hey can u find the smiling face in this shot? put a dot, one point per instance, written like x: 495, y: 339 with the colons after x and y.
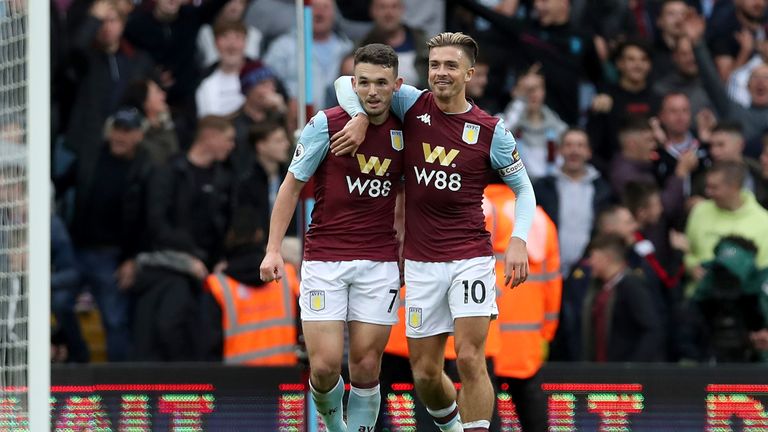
x: 575, y: 151
x: 450, y: 70
x: 231, y: 47
x: 634, y: 64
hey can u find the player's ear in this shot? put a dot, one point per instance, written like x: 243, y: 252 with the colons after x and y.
x: 398, y: 83
x: 354, y: 84
x: 470, y: 72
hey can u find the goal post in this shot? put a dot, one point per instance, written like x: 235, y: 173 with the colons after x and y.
x: 25, y: 214
x: 39, y: 199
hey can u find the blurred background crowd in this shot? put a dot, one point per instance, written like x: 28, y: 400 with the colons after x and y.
x: 639, y: 120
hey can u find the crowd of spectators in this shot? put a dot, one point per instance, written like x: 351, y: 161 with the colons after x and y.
x: 643, y: 124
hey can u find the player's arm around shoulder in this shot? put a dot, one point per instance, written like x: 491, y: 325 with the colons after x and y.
x: 351, y: 136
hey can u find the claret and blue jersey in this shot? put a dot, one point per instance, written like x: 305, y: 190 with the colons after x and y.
x: 449, y: 159
x: 353, y: 216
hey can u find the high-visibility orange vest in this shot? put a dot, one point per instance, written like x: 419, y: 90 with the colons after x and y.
x: 528, y: 314
x: 259, y: 324
x: 398, y: 344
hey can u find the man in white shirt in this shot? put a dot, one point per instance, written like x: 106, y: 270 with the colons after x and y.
x: 219, y: 93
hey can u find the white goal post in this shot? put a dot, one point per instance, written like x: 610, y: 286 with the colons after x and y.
x: 25, y: 212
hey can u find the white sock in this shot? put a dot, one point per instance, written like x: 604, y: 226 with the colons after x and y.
x: 447, y: 419
x: 363, y: 408
x: 330, y: 406
x: 478, y: 424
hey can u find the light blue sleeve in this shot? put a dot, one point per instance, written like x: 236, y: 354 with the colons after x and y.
x: 507, y: 163
x: 311, y: 149
x: 402, y: 100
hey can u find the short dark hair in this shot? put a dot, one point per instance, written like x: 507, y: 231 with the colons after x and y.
x: 733, y: 172
x: 247, y: 228
x: 377, y: 54
x: 671, y: 94
x: 605, y: 213
x: 637, y: 43
x: 612, y: 243
x: 225, y: 26
x: 633, y: 124
x: 260, y: 131
x: 732, y: 127
x: 212, y: 122
x: 465, y: 42
x: 637, y: 194
x: 575, y: 129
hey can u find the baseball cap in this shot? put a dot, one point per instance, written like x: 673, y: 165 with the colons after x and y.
x: 127, y: 118
x: 253, y: 73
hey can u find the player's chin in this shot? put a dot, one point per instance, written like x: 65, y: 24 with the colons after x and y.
x: 376, y: 111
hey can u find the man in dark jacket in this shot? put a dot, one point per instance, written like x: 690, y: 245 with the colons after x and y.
x: 189, y: 210
x: 259, y: 188
x: 620, y: 322
x: 168, y: 32
x: 103, y: 64
x: 578, y: 187
x: 108, y: 226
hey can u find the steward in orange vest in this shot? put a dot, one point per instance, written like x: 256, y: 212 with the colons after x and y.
x: 528, y: 314
x: 247, y: 321
x: 258, y: 322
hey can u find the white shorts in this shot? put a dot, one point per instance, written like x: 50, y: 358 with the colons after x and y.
x: 359, y: 290
x: 439, y: 292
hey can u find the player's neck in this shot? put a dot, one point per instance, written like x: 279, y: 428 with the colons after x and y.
x: 379, y: 119
x: 454, y: 105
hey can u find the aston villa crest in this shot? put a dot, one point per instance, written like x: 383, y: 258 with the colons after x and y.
x: 396, y: 136
x: 414, y: 317
x: 471, y: 133
x: 317, y: 300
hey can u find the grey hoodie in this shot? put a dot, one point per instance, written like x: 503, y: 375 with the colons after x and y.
x: 532, y: 139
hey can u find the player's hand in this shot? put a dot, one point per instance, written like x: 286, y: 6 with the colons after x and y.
x: 272, y: 267
x: 515, y: 263
x: 348, y: 139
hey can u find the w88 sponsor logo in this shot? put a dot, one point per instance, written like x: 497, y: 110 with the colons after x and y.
x: 439, y: 179
x: 373, y: 188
